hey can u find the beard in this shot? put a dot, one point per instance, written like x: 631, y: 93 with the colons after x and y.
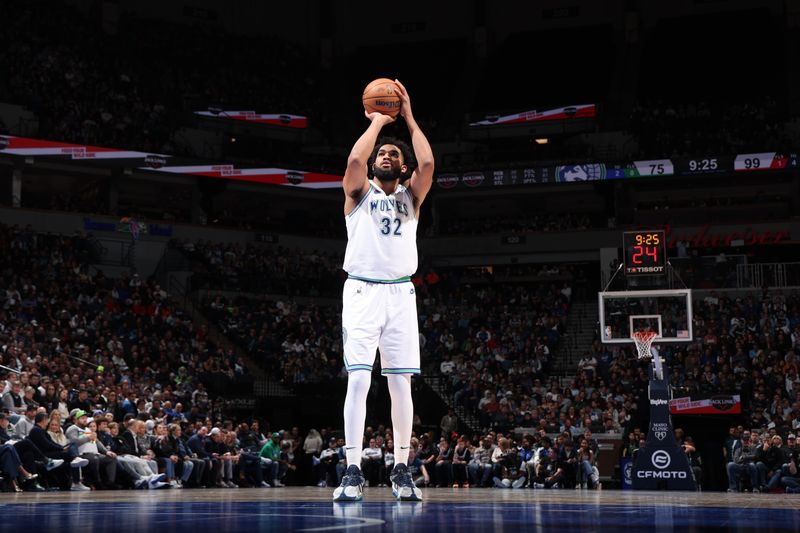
x: 391, y: 174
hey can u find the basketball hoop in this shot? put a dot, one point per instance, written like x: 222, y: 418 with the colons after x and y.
x: 643, y: 340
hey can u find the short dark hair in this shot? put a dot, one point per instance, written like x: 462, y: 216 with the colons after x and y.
x: 409, y: 160
x: 39, y: 417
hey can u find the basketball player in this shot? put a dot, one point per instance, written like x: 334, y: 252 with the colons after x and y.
x: 379, y: 308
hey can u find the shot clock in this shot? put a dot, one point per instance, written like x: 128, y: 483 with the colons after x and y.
x: 644, y: 252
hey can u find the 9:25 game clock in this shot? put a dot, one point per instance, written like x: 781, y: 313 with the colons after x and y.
x: 644, y: 252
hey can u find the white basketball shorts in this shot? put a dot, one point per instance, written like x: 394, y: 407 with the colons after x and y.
x: 380, y: 316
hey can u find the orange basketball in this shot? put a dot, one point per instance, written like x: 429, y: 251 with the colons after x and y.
x: 381, y: 95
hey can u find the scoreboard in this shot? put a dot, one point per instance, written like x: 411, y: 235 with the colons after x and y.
x: 703, y: 165
x: 644, y: 252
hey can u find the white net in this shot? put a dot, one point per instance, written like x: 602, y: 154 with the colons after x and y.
x: 643, y: 340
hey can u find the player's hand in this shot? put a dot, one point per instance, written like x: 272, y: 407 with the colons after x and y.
x: 405, y: 100
x: 379, y: 117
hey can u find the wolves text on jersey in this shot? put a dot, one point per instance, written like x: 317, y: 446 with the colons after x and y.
x: 388, y: 204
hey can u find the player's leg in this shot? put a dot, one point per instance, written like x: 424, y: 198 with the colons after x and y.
x: 360, y: 332
x: 399, y: 347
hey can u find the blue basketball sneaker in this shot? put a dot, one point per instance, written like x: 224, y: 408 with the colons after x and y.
x: 403, y: 487
x: 351, y: 489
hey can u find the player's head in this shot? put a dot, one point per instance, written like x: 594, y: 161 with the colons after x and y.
x: 391, y: 159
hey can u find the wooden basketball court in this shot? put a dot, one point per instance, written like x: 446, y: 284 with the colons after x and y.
x: 311, y: 509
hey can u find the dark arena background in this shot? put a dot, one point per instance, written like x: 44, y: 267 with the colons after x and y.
x: 172, y: 240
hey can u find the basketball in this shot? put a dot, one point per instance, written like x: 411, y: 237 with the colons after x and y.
x: 380, y: 96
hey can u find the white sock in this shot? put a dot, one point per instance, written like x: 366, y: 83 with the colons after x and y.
x: 355, y: 411
x: 402, y: 414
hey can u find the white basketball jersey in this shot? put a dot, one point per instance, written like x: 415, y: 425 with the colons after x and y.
x: 382, y: 236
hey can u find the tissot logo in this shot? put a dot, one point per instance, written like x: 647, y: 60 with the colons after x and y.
x: 660, y: 459
x: 658, y: 402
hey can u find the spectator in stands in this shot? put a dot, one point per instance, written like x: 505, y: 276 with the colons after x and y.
x: 506, y: 466
x: 216, y: 448
x: 695, y: 460
x: 68, y: 453
x: 770, y: 459
x: 12, y: 468
x: 442, y: 463
x: 12, y: 400
x: 249, y: 439
x: 743, y: 462
x: 461, y: 458
x: 449, y: 422
x: 545, y: 465
x: 271, y: 458
x: 330, y: 460
x: 419, y: 474
x: 586, y: 462
x: 372, y: 463
x: 101, y: 460
x: 247, y: 462
x: 790, y: 475
x: 32, y: 457
x: 26, y: 422
x: 129, y: 456
x: 480, y: 468
x: 197, y: 445
x: 165, y: 448
x: 187, y: 463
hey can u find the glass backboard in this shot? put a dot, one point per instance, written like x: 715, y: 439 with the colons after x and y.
x: 667, y: 312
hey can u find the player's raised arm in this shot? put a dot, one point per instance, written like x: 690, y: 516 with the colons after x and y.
x: 355, y: 176
x: 420, y: 182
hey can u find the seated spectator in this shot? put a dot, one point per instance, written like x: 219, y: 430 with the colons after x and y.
x: 743, y: 462
x: 130, y: 456
x: 546, y: 465
x: 71, y: 469
x: 589, y: 476
x: 480, y: 467
x: 372, y: 463
x: 189, y: 467
x: 12, y: 401
x: 166, y: 451
x: 197, y: 446
x: 216, y: 446
x: 695, y: 461
x: 506, y: 466
x: 462, y: 456
x: 247, y: 462
x: 770, y: 460
x: 271, y: 459
x: 83, y: 434
x: 417, y: 469
x: 26, y: 421
x: 331, y: 461
x: 31, y: 457
x: 443, y: 463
